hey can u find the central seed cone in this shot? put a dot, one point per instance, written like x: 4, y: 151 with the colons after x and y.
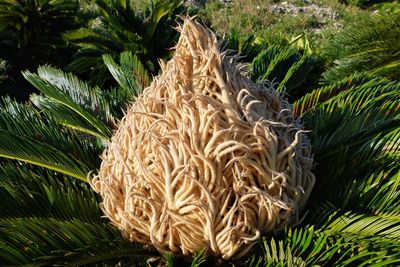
x: 205, y: 158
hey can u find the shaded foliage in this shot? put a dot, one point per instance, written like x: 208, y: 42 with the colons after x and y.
x: 118, y: 27
x: 31, y: 35
x: 284, y: 65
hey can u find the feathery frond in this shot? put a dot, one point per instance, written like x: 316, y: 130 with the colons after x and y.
x: 26, y: 137
x: 66, y: 94
x: 284, y: 65
x: 118, y: 27
x: 47, y: 241
x: 130, y: 73
x: 40, y: 193
x: 30, y: 151
x: 322, y: 94
x: 372, y: 46
x: 349, y: 132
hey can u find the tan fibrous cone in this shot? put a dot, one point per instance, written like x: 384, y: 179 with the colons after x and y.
x: 205, y: 158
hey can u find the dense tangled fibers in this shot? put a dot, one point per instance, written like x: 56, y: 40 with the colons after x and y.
x: 205, y: 158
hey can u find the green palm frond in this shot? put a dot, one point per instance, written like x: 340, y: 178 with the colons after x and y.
x: 156, y: 12
x: 118, y: 27
x: 39, y: 193
x: 284, y: 65
x: 372, y: 46
x: 28, y: 150
x: 198, y: 259
x: 169, y: 259
x: 370, y: 182
x: 385, y: 197
x: 48, y: 241
x: 335, y: 242
x: 356, y: 140
x: 349, y: 132
x: 279, y: 256
x: 68, y: 117
x: 66, y: 94
x: 130, y: 74
x: 25, y: 121
x: 305, y: 246
x: 88, y: 62
x: 30, y: 137
x: 322, y: 94
x: 358, y: 226
x: 361, y: 106
x: 374, y: 235
x: 247, y: 47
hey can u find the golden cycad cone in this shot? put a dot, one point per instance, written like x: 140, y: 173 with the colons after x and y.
x: 205, y: 158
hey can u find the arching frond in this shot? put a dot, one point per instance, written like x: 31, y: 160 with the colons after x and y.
x: 130, y: 73
x: 376, y: 235
x: 46, y: 241
x: 70, y: 95
x: 40, y: 193
x: 148, y: 34
x: 284, y: 65
x: 28, y: 137
x: 372, y: 46
x: 351, y: 132
x: 26, y: 120
x: 28, y: 150
x: 302, y: 247
x: 320, y: 95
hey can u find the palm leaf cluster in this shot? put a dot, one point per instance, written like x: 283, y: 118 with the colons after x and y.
x: 373, y: 46
x: 284, y: 65
x: 117, y: 27
x: 32, y: 29
x: 74, y: 35
x: 49, y: 145
x: 52, y: 216
x: 287, y: 64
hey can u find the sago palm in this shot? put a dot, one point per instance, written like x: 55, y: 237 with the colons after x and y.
x: 372, y: 46
x: 51, y: 216
x: 31, y: 35
x: 118, y: 27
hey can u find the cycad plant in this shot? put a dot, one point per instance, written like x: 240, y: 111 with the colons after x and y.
x: 371, y: 46
x: 289, y: 64
x: 31, y: 35
x: 118, y: 27
x: 284, y: 65
x: 52, y: 217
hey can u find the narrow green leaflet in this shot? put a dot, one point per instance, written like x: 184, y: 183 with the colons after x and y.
x: 130, y: 73
x: 43, y: 193
x: 322, y: 94
x: 50, y: 242
x: 284, y: 65
x: 25, y: 120
x: 34, y: 152
x: 61, y: 92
